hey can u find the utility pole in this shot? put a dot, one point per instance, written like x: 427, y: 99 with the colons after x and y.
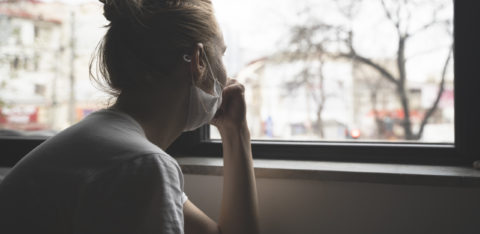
x: 72, y: 101
x: 54, y: 104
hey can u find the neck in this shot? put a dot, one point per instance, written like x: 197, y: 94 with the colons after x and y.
x: 157, y: 111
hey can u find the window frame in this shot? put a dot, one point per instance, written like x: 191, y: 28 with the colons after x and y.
x: 463, y: 152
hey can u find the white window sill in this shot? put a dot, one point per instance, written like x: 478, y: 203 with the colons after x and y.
x: 451, y: 176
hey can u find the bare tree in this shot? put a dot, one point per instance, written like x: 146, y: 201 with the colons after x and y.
x: 316, y: 91
x: 318, y: 38
x: 304, y: 49
x: 376, y: 87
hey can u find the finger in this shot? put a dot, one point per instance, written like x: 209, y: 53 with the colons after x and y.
x: 235, y: 84
x: 235, y: 89
x: 232, y: 97
x: 218, y: 114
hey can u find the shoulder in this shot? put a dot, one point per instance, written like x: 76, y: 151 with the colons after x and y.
x: 151, y: 164
x: 159, y: 162
x: 144, y: 174
x: 104, y: 136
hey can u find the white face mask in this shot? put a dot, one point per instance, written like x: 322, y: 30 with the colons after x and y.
x: 202, y: 106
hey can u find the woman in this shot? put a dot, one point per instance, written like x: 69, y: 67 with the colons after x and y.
x: 109, y: 173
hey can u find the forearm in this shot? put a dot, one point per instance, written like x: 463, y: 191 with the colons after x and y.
x: 239, y: 209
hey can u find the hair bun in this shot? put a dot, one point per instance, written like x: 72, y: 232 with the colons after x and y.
x: 115, y: 10
x: 109, y: 10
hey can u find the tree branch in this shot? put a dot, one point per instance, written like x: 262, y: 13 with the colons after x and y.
x: 427, y: 26
x: 439, y: 95
x: 366, y: 61
x: 396, y: 22
x: 432, y: 23
x: 427, y: 51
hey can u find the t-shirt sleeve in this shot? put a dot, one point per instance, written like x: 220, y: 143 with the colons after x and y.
x: 184, y: 198
x: 143, y: 195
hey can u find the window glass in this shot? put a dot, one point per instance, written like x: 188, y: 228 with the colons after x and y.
x: 314, y: 70
x: 45, y: 49
x: 343, y: 70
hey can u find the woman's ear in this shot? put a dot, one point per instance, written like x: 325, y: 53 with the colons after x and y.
x: 198, y: 64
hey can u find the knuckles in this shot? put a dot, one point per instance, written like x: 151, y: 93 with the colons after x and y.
x: 236, y: 88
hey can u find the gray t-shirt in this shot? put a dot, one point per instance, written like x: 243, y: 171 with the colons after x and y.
x: 101, y: 175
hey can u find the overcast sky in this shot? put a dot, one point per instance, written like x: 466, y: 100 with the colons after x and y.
x: 255, y: 28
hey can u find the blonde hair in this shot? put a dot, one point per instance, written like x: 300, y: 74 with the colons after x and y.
x: 147, y: 38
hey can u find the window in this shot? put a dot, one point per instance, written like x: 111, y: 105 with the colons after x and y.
x: 48, y: 45
x: 343, y: 70
x: 324, y: 78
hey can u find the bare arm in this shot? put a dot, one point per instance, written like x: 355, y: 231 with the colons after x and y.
x: 239, y: 208
x: 239, y: 211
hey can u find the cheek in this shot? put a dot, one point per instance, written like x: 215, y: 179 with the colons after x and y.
x: 222, y: 74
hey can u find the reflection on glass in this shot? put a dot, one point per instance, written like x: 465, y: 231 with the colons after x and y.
x: 315, y: 70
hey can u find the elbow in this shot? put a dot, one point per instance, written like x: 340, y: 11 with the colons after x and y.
x: 219, y: 229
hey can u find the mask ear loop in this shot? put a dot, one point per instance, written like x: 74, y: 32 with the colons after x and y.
x: 188, y: 59
x: 213, y: 77
x: 211, y: 71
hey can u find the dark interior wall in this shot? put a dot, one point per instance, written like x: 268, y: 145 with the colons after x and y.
x: 308, y: 206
